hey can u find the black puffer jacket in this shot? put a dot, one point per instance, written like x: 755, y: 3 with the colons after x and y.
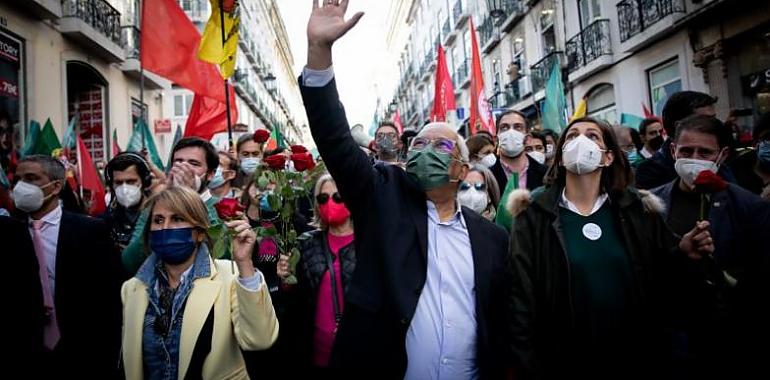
x: 314, y: 249
x: 543, y: 319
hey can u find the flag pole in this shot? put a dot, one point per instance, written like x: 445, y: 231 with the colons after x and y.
x: 227, y: 90
x: 141, y: 85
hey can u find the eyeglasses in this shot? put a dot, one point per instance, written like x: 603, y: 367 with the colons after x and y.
x: 323, y: 198
x: 441, y: 144
x: 480, y: 186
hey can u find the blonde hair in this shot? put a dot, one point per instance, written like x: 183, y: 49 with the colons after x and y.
x: 316, y: 192
x: 183, y: 202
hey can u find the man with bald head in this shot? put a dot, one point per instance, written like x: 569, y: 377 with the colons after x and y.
x: 425, y: 299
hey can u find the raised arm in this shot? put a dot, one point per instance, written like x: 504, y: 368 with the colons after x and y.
x: 349, y: 166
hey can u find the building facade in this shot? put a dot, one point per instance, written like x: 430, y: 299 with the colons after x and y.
x: 61, y: 58
x: 619, y: 55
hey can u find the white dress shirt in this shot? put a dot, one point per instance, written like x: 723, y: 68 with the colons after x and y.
x: 49, y: 233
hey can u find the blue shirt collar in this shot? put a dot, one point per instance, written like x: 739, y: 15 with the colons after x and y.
x: 457, y: 217
x: 201, y: 267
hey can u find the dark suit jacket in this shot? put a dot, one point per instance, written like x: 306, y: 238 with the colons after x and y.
x: 535, y: 174
x: 391, y: 226
x: 25, y: 314
x: 87, y: 299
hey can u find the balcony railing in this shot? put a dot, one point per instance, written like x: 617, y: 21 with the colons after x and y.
x: 588, y: 45
x: 130, y: 38
x: 461, y: 74
x: 512, y: 9
x: 97, y: 13
x: 634, y: 16
x: 542, y: 69
x: 459, y: 12
x: 487, y: 31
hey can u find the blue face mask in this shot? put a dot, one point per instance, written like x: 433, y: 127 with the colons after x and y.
x: 218, y: 180
x: 763, y: 155
x: 173, y: 246
x: 264, y: 205
x: 634, y: 157
x: 249, y: 165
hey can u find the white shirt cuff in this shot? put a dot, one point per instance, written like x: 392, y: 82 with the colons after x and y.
x: 251, y: 283
x: 317, y: 78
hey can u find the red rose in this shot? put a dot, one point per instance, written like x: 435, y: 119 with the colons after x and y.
x: 296, y: 149
x: 303, y: 161
x: 228, y: 208
x: 276, y: 162
x: 261, y: 135
x: 709, y: 182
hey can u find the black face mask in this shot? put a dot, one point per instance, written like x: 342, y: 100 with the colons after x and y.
x: 656, y: 143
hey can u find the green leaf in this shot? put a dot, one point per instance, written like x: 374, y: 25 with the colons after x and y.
x: 262, y: 182
x: 292, y: 235
x: 274, y: 201
x: 291, y: 280
x: 220, y: 248
x: 267, y: 231
x: 216, y: 231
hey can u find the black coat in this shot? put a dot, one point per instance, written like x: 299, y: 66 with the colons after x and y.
x: 87, y: 299
x: 26, y: 317
x: 391, y: 226
x: 535, y: 174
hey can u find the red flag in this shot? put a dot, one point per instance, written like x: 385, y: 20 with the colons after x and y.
x: 115, y: 146
x: 89, y: 180
x: 647, y: 113
x: 209, y: 116
x: 170, y: 49
x: 397, y: 122
x: 444, y: 96
x: 480, y: 112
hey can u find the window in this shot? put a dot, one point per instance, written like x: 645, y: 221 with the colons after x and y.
x: 664, y: 81
x: 589, y: 11
x: 497, y: 79
x: 467, y: 41
x: 601, y: 104
x: 547, y: 30
x: 182, y: 103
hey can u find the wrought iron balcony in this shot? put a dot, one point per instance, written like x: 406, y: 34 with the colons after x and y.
x: 98, y: 13
x: 459, y: 12
x: 591, y: 43
x: 634, y: 16
x: 512, y: 10
x: 542, y: 69
x: 488, y: 35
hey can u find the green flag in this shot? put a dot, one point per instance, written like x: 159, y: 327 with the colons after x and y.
x: 31, y: 139
x: 177, y: 137
x: 554, y: 105
x: 135, y: 143
x: 47, y: 141
x: 68, y: 141
x: 504, y: 218
x: 631, y: 121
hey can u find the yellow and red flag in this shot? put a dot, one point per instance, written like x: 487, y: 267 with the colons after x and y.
x: 212, y: 49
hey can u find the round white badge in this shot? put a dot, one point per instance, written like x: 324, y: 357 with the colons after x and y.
x: 592, y: 231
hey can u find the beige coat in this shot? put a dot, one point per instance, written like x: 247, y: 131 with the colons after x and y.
x: 251, y: 325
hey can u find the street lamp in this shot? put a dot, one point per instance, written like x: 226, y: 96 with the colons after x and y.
x: 496, y: 8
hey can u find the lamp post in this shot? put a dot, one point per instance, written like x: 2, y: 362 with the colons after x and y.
x: 271, y: 85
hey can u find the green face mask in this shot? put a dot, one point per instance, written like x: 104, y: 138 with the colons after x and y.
x: 428, y: 167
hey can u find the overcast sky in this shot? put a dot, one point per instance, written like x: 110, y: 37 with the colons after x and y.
x: 356, y: 55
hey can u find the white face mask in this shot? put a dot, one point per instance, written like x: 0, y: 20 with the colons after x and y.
x: 473, y: 199
x: 511, y: 143
x: 537, y: 156
x: 128, y: 195
x: 689, y: 168
x: 582, y: 156
x: 28, y: 197
x: 489, y: 160
x: 249, y: 165
x: 549, y: 151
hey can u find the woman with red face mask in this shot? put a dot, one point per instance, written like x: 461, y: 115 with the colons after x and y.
x: 323, y: 273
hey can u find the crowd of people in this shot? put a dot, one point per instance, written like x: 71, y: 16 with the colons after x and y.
x: 599, y: 250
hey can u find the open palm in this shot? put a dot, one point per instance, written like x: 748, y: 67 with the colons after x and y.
x: 327, y: 22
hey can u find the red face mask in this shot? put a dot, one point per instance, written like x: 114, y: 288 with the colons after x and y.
x: 333, y: 213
